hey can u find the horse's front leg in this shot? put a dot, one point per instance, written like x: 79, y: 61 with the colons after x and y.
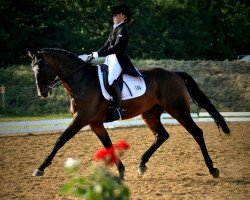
x: 71, y: 130
x: 102, y: 134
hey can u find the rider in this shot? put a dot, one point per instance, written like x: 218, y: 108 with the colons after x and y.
x: 114, y: 49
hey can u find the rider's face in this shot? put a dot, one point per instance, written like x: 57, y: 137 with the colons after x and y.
x: 118, y: 18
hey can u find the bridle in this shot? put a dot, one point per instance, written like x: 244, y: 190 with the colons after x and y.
x: 50, y: 73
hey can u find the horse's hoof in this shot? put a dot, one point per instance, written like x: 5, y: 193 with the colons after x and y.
x: 38, y: 172
x: 142, y: 169
x: 216, y: 173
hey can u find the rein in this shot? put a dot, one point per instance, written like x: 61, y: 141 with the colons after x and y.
x: 54, y: 84
x: 49, y: 73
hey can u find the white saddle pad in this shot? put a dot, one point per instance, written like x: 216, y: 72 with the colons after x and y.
x: 137, y: 86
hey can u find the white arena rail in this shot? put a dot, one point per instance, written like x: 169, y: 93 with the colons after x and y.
x: 61, y: 124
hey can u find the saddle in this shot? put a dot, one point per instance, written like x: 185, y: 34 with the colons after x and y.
x: 130, y: 86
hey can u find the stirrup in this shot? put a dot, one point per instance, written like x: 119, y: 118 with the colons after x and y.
x: 119, y: 112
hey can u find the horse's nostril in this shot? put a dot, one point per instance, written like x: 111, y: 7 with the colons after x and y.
x: 44, y: 94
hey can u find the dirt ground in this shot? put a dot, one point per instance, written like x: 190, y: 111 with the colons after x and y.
x: 176, y: 171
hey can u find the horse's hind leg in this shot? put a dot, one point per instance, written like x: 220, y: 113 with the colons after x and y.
x: 152, y: 120
x: 187, y: 121
x: 102, y: 134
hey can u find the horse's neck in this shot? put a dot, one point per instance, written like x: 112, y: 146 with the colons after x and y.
x: 61, y: 66
x: 75, y: 76
x: 78, y: 83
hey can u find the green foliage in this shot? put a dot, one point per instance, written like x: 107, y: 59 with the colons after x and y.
x: 21, y: 98
x: 179, y: 29
x: 98, y: 185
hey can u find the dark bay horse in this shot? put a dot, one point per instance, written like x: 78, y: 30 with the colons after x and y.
x: 166, y: 91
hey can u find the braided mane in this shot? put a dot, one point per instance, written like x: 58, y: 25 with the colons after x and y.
x: 63, y: 51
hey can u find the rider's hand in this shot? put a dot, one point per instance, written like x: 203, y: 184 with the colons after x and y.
x: 89, y: 58
x: 95, y: 54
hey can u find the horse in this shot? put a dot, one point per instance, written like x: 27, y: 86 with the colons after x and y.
x: 166, y: 91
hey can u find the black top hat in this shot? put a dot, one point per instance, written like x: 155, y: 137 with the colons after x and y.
x: 124, y: 9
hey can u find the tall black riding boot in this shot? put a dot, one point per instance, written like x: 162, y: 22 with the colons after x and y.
x: 119, y: 111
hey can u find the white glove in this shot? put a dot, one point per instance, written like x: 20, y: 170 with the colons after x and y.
x: 95, y: 54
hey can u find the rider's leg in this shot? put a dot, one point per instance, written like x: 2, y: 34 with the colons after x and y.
x: 114, y: 72
x: 119, y: 111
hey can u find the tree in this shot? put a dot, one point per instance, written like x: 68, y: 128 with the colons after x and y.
x: 180, y: 29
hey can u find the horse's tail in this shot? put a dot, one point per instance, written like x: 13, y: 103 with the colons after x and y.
x: 202, y: 100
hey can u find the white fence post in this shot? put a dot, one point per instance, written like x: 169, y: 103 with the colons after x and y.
x: 2, y: 91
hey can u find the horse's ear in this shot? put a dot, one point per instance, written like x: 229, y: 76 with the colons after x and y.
x: 31, y: 53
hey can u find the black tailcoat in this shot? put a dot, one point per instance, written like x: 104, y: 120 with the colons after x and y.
x: 117, y: 44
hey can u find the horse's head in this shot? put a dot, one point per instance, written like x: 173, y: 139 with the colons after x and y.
x: 43, y: 73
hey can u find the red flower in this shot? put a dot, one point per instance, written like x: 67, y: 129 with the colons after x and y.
x: 112, y: 154
x: 108, y: 155
x: 122, y: 144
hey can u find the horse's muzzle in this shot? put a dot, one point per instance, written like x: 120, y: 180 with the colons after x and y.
x: 44, y: 94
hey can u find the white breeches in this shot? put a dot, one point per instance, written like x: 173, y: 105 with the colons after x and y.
x: 113, y: 67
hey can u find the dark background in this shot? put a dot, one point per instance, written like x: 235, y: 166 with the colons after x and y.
x: 161, y: 29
